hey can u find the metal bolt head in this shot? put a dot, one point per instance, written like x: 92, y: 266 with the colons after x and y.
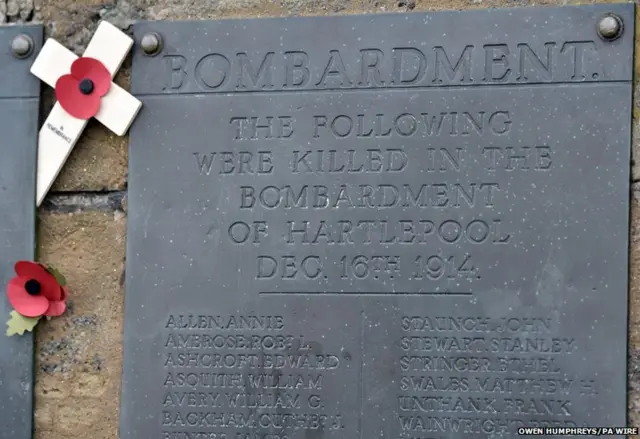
x: 610, y: 27
x: 22, y: 46
x: 151, y: 43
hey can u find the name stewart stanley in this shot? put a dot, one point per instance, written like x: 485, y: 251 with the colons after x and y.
x: 553, y: 61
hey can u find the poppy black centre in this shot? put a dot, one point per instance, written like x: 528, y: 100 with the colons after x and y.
x: 86, y: 86
x: 32, y: 287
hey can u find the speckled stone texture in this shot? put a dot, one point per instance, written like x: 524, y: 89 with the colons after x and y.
x: 82, y: 224
x: 79, y: 357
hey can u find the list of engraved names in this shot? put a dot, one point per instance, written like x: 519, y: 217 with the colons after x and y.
x: 236, y: 377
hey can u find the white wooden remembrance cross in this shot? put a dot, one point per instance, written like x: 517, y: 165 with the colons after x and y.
x: 61, y: 131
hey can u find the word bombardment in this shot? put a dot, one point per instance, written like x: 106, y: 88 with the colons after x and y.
x: 517, y: 62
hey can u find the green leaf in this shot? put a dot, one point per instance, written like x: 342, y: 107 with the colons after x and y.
x: 18, y: 323
x: 55, y: 273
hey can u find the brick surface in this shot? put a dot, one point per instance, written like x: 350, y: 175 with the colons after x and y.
x: 79, y: 355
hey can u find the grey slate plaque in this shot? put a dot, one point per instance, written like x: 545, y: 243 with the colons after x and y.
x: 388, y: 226
x: 19, y: 106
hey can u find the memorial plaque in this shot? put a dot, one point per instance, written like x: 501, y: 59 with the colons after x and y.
x: 387, y: 226
x: 19, y: 111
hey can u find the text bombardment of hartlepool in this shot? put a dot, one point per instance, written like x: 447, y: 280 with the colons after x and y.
x: 429, y: 199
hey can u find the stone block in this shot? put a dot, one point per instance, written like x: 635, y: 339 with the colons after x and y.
x: 79, y: 355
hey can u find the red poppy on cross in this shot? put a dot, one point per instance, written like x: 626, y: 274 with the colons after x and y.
x: 84, y: 89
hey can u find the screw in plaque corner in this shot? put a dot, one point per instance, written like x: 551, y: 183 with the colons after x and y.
x: 22, y: 46
x: 610, y: 27
x: 151, y: 44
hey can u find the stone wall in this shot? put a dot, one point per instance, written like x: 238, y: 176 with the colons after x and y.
x: 82, y: 224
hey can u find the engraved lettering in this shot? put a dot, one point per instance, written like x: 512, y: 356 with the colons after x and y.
x: 372, y: 67
x: 522, y: 158
x: 370, y: 60
x: 296, y: 69
x: 258, y: 80
x: 212, y: 71
x: 401, y: 57
x: 496, y: 55
x: 234, y: 162
x: 577, y: 51
x: 175, y: 67
x: 537, y: 66
x: 335, y: 72
x: 463, y: 65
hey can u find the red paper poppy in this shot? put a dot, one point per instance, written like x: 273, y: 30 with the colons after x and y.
x: 80, y: 92
x: 35, y: 292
